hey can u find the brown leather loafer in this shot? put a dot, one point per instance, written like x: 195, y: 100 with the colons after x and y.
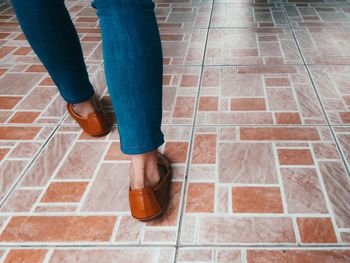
x: 150, y: 202
x: 96, y: 123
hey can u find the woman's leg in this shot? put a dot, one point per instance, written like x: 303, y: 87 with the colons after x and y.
x: 133, y: 63
x: 53, y: 37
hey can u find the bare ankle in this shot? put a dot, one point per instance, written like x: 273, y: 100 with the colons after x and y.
x: 144, y: 170
x: 87, y: 106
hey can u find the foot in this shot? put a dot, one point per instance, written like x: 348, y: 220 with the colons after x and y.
x: 144, y: 170
x: 91, y: 105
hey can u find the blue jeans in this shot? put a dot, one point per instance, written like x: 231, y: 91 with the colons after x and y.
x: 133, y: 61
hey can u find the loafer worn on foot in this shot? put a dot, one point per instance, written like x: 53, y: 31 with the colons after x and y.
x: 95, y: 123
x: 150, y: 202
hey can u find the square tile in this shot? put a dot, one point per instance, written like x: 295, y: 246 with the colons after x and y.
x: 65, y: 188
x: 247, y: 15
x: 279, y: 95
x: 332, y: 85
x: 324, y: 45
x: 247, y: 185
x: 189, y: 14
x: 251, y: 46
x: 313, y: 13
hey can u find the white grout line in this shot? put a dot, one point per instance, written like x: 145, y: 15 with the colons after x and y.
x: 54, y: 173
x: 279, y: 178
x: 48, y: 255
x: 93, y: 178
x: 296, y: 230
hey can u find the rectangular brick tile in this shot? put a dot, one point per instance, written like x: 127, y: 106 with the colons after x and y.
x: 58, y: 228
x: 18, y: 133
x: 25, y: 256
x: 64, y: 192
x: 288, y: 118
x: 279, y: 133
x: 207, y: 103
x: 298, y: 256
x: 316, y: 230
x: 295, y: 157
x: 200, y: 197
x: 248, y: 104
x: 256, y: 200
x: 8, y: 102
x: 219, y: 230
x: 24, y: 117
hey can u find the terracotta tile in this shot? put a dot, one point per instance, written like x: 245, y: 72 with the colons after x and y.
x: 295, y: 157
x: 64, y: 192
x: 208, y: 103
x: 287, y: 118
x: 18, y: 133
x: 256, y: 200
x: 36, y: 68
x: 3, y: 153
x: 5, y: 50
x: 204, y: 148
x: 58, y: 228
x: 176, y: 151
x: 248, y: 104
x: 189, y: 81
x: 200, y: 197
x: 293, y: 255
x: 24, y: 117
x: 9, y: 102
x: 22, y: 51
x: 316, y: 230
x: 25, y: 256
x: 279, y: 133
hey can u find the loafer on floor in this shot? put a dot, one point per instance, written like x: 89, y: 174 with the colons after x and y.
x: 150, y: 202
x: 95, y: 123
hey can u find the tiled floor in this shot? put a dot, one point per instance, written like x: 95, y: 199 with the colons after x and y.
x: 256, y: 117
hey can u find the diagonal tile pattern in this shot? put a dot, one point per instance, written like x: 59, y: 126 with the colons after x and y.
x: 256, y: 114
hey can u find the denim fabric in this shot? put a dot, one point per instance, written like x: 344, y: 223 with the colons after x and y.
x: 133, y: 61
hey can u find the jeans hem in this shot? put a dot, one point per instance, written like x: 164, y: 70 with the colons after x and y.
x: 142, y: 149
x: 81, y: 99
